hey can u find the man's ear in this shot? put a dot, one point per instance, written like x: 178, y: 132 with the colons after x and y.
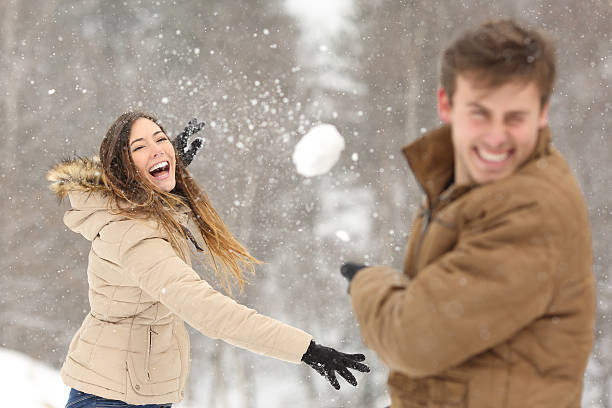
x: 444, y: 105
x: 543, y: 121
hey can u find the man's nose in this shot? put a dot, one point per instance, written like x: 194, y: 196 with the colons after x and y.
x: 496, y: 136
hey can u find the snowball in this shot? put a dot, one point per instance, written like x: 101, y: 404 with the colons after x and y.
x: 343, y: 236
x: 318, y: 150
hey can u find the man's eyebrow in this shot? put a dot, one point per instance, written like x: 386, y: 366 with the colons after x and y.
x: 517, y: 113
x: 477, y: 105
x: 511, y: 113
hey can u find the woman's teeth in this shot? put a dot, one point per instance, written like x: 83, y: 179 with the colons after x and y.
x: 159, y: 166
x: 160, y: 170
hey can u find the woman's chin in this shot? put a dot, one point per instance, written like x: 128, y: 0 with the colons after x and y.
x: 166, y: 185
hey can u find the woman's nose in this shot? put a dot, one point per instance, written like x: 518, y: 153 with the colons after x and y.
x: 157, y: 150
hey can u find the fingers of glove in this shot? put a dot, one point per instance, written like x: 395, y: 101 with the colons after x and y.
x: 354, y: 357
x: 180, y: 141
x: 346, y: 374
x: 319, y: 369
x: 199, y: 127
x: 357, y: 366
x: 193, y: 149
x: 195, y: 145
x: 331, y: 377
x: 194, y: 127
x: 187, y: 158
x: 190, y: 126
x: 345, y: 270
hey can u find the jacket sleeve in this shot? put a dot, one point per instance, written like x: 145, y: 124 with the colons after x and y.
x: 163, y: 275
x: 498, y: 278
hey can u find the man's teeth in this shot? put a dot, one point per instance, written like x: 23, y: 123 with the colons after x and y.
x: 158, y: 166
x: 492, y: 157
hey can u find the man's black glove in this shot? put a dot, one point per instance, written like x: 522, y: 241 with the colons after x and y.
x: 184, y: 151
x: 350, y: 269
x: 326, y: 361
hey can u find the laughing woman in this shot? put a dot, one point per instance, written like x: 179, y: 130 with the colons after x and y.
x: 141, y: 209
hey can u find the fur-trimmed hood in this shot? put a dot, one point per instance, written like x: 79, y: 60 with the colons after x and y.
x: 78, y: 174
x: 81, y: 180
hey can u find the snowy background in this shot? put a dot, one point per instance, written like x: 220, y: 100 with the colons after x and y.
x: 262, y: 74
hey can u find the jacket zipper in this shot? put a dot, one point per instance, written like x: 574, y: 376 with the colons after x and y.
x: 427, y: 214
x: 148, y: 355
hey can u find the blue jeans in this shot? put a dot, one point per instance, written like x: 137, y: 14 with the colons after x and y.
x: 78, y: 399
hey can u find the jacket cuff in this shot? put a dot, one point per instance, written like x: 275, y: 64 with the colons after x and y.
x: 371, y: 277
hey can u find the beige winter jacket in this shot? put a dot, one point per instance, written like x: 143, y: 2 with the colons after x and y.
x: 133, y: 345
x: 496, y: 306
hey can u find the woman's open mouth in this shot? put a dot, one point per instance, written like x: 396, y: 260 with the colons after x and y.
x: 160, y: 170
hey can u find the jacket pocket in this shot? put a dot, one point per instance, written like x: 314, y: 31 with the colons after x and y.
x: 139, y: 384
x: 441, y: 392
x: 407, y: 392
x: 446, y: 393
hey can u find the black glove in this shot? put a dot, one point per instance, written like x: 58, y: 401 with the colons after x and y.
x: 326, y: 361
x: 187, y: 153
x: 350, y: 269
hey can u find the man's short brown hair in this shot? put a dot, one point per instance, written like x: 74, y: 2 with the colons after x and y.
x: 498, y: 52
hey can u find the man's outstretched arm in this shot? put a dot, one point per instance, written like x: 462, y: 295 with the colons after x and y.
x: 497, y: 280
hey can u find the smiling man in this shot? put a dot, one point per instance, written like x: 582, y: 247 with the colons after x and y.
x: 495, y: 306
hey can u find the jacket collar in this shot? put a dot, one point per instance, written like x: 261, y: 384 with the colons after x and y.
x: 431, y: 159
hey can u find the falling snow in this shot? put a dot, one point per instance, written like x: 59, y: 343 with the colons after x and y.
x: 307, y: 110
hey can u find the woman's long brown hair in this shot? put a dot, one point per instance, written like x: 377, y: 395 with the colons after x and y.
x: 135, y: 196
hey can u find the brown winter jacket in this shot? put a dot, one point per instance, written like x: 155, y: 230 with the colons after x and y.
x: 133, y: 345
x: 496, y: 306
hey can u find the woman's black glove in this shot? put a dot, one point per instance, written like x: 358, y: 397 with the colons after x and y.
x: 326, y: 361
x: 183, y: 150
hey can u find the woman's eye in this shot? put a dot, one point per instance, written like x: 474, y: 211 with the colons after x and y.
x: 137, y: 148
x: 162, y: 139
